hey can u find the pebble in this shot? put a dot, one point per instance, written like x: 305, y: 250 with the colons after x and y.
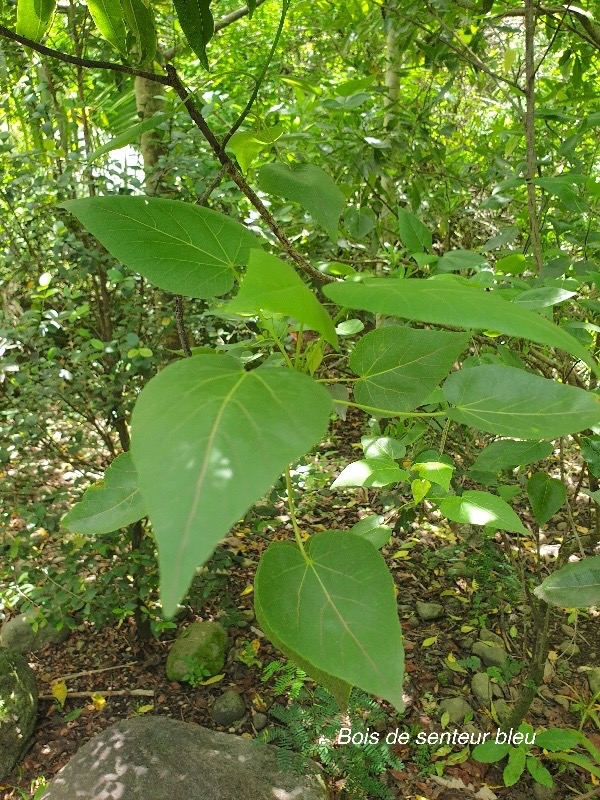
x: 490, y: 654
x: 228, y: 708
x: 429, y: 611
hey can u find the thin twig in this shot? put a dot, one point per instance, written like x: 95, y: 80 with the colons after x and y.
x: 529, y: 123
x: 74, y: 675
x: 108, y: 693
x: 180, y: 322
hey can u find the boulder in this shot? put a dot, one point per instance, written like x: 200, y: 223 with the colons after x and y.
x: 457, y: 709
x: 18, y: 635
x: 492, y: 638
x: 198, y: 652
x: 481, y: 686
x: 18, y: 708
x: 156, y: 758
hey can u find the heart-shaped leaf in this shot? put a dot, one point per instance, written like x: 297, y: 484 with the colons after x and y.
x: 209, y: 439
x: 400, y: 367
x: 336, y: 607
x: 110, y: 504
x: 179, y: 247
x: 508, y: 453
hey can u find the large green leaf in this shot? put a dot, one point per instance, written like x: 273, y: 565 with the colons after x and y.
x: 108, y: 16
x: 336, y: 607
x: 481, y: 508
x: 198, y: 25
x: 179, y: 247
x: 140, y: 21
x: 272, y: 285
x: 308, y: 185
x: 546, y: 496
x: 110, y: 504
x: 208, y: 440
x: 451, y: 301
x: 34, y: 17
x: 573, y: 586
x: 508, y: 453
x: 511, y: 402
x: 400, y: 367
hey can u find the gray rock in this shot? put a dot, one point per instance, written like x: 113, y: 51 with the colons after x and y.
x: 197, y: 652
x: 492, y: 638
x: 543, y: 792
x: 260, y: 721
x: 490, y: 654
x: 228, y: 708
x: 593, y: 677
x: 18, y: 708
x: 457, y: 708
x: 18, y: 635
x: 429, y: 611
x: 155, y: 758
x: 481, y: 686
x: 503, y: 710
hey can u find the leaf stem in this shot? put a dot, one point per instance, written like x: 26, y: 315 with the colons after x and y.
x: 387, y: 412
x: 294, y: 521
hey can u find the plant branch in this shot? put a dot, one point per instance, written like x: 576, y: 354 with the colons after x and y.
x: 234, y: 173
x: 529, y: 123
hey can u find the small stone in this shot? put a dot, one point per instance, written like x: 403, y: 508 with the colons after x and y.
x: 445, y: 678
x: 18, y: 635
x: 537, y: 706
x: 404, y: 608
x: 260, y: 721
x: 543, y: 792
x: 490, y: 654
x: 413, y: 621
x: 429, y: 611
x: 568, y: 630
x: 457, y: 709
x: 481, y: 686
x: 503, y: 710
x: 198, y: 652
x: 489, y: 636
x: 568, y: 648
x: 562, y: 526
x: 228, y: 708
x: 593, y: 677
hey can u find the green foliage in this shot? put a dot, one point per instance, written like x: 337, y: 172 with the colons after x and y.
x: 310, y: 727
x: 575, y: 585
x: 198, y: 25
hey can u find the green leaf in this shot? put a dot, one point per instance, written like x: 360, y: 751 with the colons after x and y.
x: 272, y: 285
x: 460, y: 259
x: 311, y: 187
x: 435, y: 471
x: 374, y: 472
x: 215, y: 438
x: 110, y: 504
x: 140, y: 21
x: 419, y: 489
x: 197, y: 24
x: 489, y: 752
x: 543, y: 297
x: 451, y: 301
x: 34, y: 17
x: 336, y: 687
x: 373, y: 530
x: 517, y: 757
x: 575, y: 585
x: 336, y: 607
x: 246, y: 145
x: 508, y: 453
x: 359, y: 223
x: 590, y: 452
x: 179, y: 247
x: 546, y: 496
x: 414, y: 235
x: 481, y: 508
x: 251, y: 7
x: 511, y: 402
x: 557, y: 739
x: 382, y: 447
x: 108, y: 16
x: 511, y: 265
x: 399, y: 366
x: 538, y: 772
